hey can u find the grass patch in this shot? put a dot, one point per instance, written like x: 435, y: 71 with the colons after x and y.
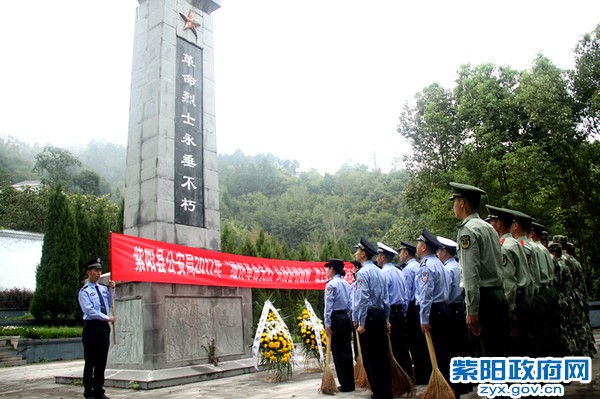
x: 41, y: 332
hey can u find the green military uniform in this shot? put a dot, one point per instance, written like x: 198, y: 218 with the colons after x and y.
x: 551, y: 321
x: 517, y: 281
x: 481, y: 262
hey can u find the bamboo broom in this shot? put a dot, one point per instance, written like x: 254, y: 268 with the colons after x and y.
x: 112, y: 309
x: 438, y: 387
x: 401, y: 381
x: 360, y: 375
x: 328, y: 385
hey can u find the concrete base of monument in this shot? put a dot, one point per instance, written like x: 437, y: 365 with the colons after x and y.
x: 152, y: 379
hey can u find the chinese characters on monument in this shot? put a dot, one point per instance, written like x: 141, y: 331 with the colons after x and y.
x: 189, y: 181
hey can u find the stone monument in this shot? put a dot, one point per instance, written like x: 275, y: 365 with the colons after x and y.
x: 172, y: 194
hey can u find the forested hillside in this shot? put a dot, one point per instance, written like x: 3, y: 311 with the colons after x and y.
x: 527, y: 137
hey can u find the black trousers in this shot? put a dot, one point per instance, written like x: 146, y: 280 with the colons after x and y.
x: 398, y: 338
x: 493, y: 319
x: 374, y: 352
x: 96, y: 341
x: 341, y: 348
x: 417, y: 345
x: 524, y: 344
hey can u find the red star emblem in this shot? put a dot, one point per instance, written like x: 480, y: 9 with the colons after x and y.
x: 190, y: 23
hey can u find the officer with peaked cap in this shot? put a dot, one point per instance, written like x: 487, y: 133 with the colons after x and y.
x: 550, y: 320
x: 416, y: 340
x: 398, y: 303
x: 517, y: 282
x: 373, y: 310
x: 481, y: 262
x: 458, y: 333
x: 95, y: 301
x: 337, y: 323
x: 431, y: 295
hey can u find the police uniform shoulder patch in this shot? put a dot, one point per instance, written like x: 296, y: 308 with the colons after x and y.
x: 465, y: 241
x: 329, y: 290
x: 425, y: 277
x: 504, y: 260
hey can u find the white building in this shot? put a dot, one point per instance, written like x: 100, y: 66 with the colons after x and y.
x: 20, y: 253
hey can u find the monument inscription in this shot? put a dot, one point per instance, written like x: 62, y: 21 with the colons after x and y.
x: 189, y: 179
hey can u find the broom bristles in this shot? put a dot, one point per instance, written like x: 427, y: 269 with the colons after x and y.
x: 361, y: 380
x: 401, y: 381
x: 328, y: 385
x: 438, y: 387
x: 360, y: 375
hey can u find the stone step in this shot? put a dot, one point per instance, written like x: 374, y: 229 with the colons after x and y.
x: 12, y: 358
x: 4, y: 353
x: 13, y: 363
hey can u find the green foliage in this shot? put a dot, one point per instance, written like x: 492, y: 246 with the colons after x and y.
x: 15, y: 298
x: 23, y: 209
x: 526, y: 137
x: 57, y: 276
x: 41, y: 332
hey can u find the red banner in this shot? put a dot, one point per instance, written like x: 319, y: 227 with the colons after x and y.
x: 140, y: 259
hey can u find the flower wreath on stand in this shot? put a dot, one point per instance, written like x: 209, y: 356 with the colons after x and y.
x: 273, y: 347
x: 313, y: 336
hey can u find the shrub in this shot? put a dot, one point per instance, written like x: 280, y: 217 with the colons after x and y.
x: 41, y: 332
x: 15, y: 298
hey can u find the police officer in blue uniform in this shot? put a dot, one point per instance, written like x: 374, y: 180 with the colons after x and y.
x: 95, y: 301
x: 337, y: 323
x: 416, y: 340
x: 431, y: 295
x: 398, y: 304
x: 458, y: 333
x: 372, y: 309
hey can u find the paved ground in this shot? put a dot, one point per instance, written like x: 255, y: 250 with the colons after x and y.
x: 37, y: 381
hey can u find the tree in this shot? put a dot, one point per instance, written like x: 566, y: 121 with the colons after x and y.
x: 55, y: 165
x: 23, y: 210
x: 585, y: 81
x: 432, y: 129
x: 57, y: 276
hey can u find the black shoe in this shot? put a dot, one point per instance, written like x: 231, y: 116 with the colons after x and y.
x: 345, y: 389
x: 102, y: 396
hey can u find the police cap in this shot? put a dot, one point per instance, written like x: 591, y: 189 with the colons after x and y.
x: 366, y: 246
x: 336, y: 264
x: 408, y: 246
x: 386, y: 250
x: 429, y: 239
x: 95, y: 263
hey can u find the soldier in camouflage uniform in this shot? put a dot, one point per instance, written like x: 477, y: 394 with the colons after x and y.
x: 563, y: 282
x: 585, y: 336
x: 551, y: 321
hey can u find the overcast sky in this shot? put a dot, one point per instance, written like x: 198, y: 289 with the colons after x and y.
x: 322, y: 82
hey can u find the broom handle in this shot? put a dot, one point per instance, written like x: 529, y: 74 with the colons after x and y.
x: 358, y: 343
x: 328, y: 349
x: 112, y: 310
x: 431, y: 351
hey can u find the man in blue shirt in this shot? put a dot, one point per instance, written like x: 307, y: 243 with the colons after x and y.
x: 95, y: 302
x: 337, y: 323
x: 372, y: 309
x: 397, y: 297
x: 431, y: 295
x: 416, y: 340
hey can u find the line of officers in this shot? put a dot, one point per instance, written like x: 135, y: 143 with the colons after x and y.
x: 513, y: 294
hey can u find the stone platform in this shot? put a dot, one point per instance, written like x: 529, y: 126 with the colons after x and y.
x: 153, y: 379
